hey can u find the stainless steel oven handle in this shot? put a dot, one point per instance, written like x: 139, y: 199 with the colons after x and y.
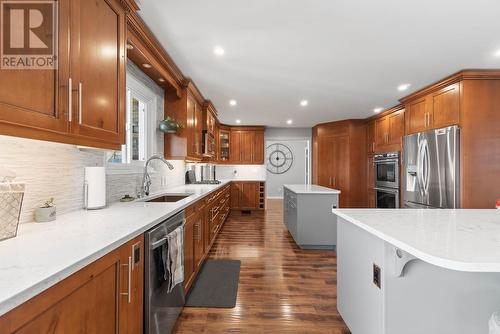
x: 390, y: 191
x: 386, y: 161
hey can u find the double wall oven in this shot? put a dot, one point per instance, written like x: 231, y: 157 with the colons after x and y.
x: 386, y: 166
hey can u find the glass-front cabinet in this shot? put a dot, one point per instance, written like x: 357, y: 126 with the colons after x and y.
x: 223, y: 149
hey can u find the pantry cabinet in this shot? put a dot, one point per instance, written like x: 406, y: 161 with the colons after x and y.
x: 370, y: 137
x: 81, y: 101
x: 103, y: 297
x: 435, y: 110
x: 339, y: 160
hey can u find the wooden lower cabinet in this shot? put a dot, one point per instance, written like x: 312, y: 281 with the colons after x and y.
x: 247, y: 195
x: 189, y: 251
x: 204, y: 220
x: 93, y: 300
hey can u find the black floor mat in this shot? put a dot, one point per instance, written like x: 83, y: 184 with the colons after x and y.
x: 216, y: 285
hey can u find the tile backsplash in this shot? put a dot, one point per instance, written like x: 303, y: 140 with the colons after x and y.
x: 57, y: 170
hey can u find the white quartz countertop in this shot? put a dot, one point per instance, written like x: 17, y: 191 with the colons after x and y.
x: 311, y: 189
x: 462, y: 240
x: 44, y: 254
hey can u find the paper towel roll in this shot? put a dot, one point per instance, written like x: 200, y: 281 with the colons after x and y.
x: 95, y: 188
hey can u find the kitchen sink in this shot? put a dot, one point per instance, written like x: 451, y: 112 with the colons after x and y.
x: 170, y: 198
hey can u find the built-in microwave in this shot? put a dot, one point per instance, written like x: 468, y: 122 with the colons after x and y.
x: 387, y: 170
x: 208, y: 144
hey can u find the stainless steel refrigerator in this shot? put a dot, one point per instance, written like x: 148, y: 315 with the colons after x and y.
x: 432, y: 169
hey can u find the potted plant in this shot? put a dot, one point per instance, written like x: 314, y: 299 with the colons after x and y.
x: 46, y: 213
x: 170, y: 125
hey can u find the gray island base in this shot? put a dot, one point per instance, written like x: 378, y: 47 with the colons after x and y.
x: 307, y: 214
x: 430, y: 272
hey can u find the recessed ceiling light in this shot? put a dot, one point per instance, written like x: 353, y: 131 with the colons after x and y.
x: 497, y: 54
x: 377, y: 110
x: 146, y: 65
x: 238, y: 121
x: 304, y: 103
x: 161, y: 80
x: 232, y: 102
x: 403, y: 87
x: 289, y: 121
x: 219, y: 51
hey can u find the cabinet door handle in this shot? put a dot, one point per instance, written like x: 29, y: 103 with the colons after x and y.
x: 80, y: 98
x: 129, y: 289
x: 70, y: 102
x: 334, y: 181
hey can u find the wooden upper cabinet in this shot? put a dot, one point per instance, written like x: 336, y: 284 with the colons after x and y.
x: 381, y: 133
x: 389, y: 131
x: 247, y: 146
x: 186, y: 142
x: 83, y: 100
x: 97, y: 69
x: 445, y: 106
x: 417, y: 114
x: 435, y: 110
x: 38, y: 98
x: 396, y: 123
x: 258, y: 148
x: 209, y: 118
x: 223, y: 144
x: 235, y: 146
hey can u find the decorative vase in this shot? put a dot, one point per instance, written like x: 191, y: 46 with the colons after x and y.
x: 43, y: 215
x: 169, y: 126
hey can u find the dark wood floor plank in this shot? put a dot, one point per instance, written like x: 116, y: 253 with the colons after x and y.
x: 282, y: 288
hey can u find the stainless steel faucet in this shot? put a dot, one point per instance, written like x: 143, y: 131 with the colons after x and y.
x: 146, y: 179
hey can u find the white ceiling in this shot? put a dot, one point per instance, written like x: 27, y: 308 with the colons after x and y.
x: 345, y: 56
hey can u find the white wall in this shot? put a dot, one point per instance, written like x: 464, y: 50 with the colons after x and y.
x: 297, y: 139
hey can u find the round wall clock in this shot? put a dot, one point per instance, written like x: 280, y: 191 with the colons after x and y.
x: 279, y: 158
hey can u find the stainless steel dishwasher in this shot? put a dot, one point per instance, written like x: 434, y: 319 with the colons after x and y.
x: 161, y: 308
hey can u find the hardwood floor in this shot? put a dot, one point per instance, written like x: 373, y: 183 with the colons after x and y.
x: 282, y: 288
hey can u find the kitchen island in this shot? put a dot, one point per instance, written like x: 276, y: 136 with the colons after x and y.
x: 418, y: 271
x: 307, y: 215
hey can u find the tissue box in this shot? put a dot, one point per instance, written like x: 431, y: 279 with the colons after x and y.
x: 11, y: 201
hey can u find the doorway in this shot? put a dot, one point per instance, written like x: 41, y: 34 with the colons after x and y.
x: 287, y: 162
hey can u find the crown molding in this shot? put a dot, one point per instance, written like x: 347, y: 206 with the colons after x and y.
x: 137, y: 27
x: 466, y: 74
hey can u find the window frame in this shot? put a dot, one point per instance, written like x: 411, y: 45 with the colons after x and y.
x: 135, y: 88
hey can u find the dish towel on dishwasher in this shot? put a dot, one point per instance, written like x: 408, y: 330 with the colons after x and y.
x: 174, y: 258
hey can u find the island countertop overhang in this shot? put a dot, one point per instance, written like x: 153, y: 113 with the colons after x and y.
x: 456, y: 239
